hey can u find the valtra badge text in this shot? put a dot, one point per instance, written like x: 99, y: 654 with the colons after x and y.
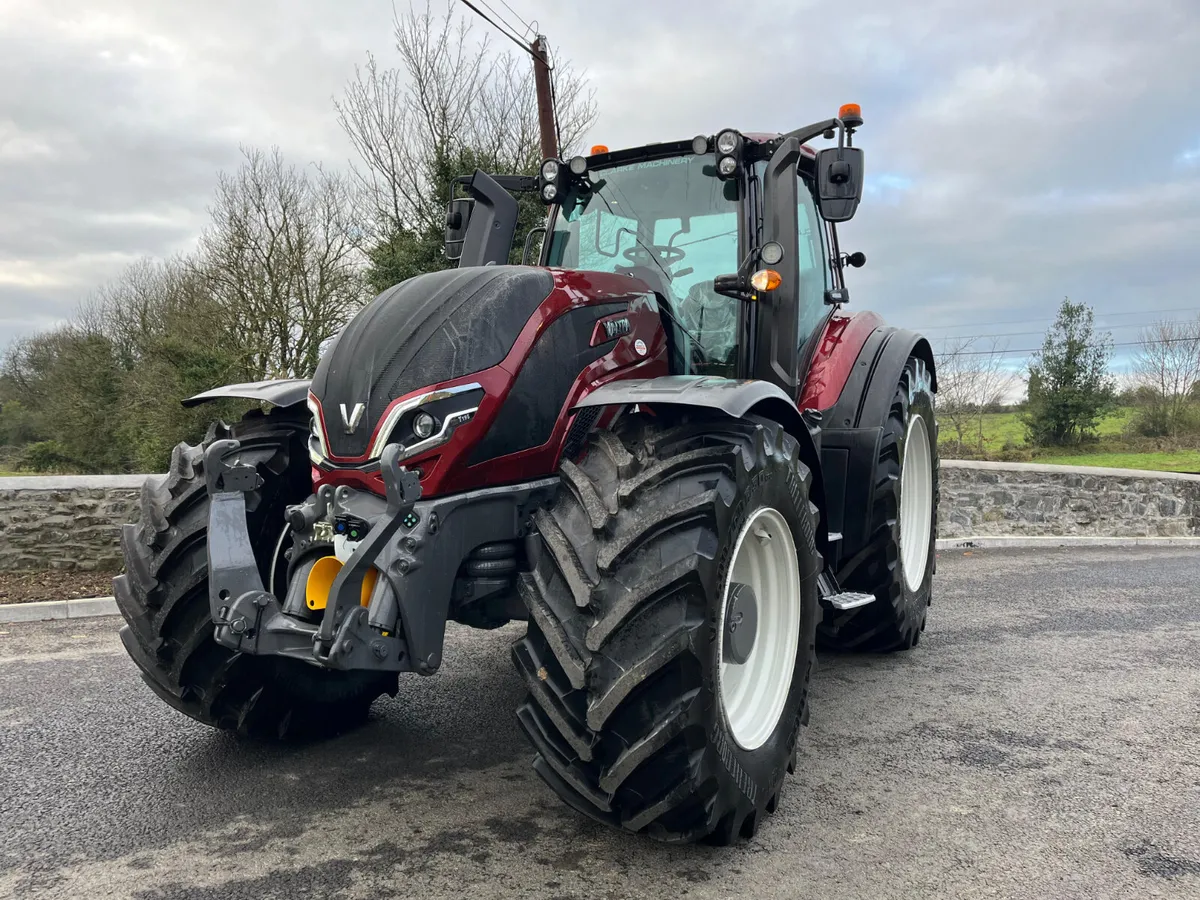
x: 663, y: 447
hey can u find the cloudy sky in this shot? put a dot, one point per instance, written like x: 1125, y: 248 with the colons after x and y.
x: 1019, y: 150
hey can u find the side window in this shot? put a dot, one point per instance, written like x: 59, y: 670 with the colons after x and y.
x: 815, y: 276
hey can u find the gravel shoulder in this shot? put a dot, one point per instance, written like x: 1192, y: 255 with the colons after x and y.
x: 1043, y: 741
x: 53, y: 584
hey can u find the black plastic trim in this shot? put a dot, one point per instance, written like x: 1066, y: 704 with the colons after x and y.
x: 285, y: 392
x: 867, y: 394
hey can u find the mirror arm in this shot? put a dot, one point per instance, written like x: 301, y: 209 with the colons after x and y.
x: 808, y: 132
x: 736, y: 287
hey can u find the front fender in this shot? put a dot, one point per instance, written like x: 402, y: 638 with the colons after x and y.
x: 284, y: 392
x: 733, y: 397
x: 730, y: 396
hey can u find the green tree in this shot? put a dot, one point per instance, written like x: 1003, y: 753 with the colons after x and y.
x: 1069, y: 385
x: 102, y: 393
x: 72, y: 377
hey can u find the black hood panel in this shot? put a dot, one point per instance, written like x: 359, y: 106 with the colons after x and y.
x: 429, y: 329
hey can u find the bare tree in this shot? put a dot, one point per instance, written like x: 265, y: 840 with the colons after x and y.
x: 972, y: 380
x: 1167, y: 364
x: 281, y: 262
x: 143, y: 304
x: 451, y: 99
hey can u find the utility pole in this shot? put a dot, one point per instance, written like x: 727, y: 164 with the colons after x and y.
x: 545, y: 101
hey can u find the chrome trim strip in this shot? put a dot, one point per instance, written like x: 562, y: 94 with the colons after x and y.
x: 316, y: 427
x: 389, y: 422
x: 449, y: 425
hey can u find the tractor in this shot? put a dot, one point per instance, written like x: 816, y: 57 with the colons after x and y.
x: 665, y: 448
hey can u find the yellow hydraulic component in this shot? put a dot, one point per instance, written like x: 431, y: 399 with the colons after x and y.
x: 320, y: 580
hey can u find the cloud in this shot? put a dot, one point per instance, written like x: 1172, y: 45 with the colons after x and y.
x: 1018, y: 151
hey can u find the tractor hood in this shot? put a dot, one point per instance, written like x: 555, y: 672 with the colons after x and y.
x: 424, y: 331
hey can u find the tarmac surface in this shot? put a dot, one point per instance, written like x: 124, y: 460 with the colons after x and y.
x: 1043, y: 741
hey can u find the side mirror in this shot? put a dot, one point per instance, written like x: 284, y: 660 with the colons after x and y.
x: 458, y: 216
x: 839, y: 182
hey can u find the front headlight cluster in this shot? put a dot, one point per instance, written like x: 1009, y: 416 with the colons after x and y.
x: 417, y: 424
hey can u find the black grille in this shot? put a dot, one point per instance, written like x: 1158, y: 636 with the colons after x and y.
x: 577, y: 436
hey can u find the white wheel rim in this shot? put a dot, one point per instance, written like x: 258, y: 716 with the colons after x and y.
x: 916, y: 503
x: 753, y: 693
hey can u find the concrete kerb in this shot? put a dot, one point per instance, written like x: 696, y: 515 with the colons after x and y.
x: 1050, y: 542
x: 88, y: 607
x: 82, y: 608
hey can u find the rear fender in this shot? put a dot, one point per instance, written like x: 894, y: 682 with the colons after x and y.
x: 854, y: 426
x: 285, y: 392
x: 867, y: 395
x: 734, y: 398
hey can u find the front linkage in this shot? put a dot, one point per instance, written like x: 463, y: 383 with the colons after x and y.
x: 416, y: 547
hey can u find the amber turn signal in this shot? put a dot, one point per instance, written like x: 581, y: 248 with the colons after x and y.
x: 765, y: 280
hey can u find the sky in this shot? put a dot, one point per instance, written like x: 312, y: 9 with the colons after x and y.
x: 1018, y: 151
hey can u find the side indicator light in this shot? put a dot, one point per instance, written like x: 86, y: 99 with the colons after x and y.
x: 765, y: 280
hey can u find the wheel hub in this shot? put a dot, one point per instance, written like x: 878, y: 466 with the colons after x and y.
x: 741, y: 623
x: 916, y: 504
x: 760, y: 627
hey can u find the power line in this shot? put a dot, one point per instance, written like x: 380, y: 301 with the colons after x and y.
x: 497, y: 17
x: 1039, y: 349
x: 1139, y: 312
x: 971, y: 337
x: 512, y: 37
x: 529, y: 28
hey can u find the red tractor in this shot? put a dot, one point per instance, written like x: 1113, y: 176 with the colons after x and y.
x: 664, y: 448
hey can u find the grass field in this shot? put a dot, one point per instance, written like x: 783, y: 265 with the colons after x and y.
x: 1160, y: 461
x: 1004, y: 430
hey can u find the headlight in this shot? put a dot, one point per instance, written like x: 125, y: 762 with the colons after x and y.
x: 549, y: 192
x: 727, y: 142
x: 550, y: 170
x: 577, y: 165
x: 423, y: 425
x: 727, y: 166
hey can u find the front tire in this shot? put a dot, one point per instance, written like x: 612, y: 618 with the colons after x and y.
x: 163, y: 596
x: 897, y: 564
x: 633, y: 710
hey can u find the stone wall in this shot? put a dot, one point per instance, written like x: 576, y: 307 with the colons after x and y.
x: 994, y: 499
x: 66, y: 522
x: 73, y: 522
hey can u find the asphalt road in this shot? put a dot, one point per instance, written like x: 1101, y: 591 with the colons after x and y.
x: 1043, y: 741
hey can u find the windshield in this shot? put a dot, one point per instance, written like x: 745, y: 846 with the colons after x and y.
x: 674, y: 225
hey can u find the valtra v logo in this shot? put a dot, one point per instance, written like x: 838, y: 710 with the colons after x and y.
x: 351, y: 419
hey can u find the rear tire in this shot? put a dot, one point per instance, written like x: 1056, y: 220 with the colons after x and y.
x: 624, y: 653
x: 897, y: 565
x: 163, y: 596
